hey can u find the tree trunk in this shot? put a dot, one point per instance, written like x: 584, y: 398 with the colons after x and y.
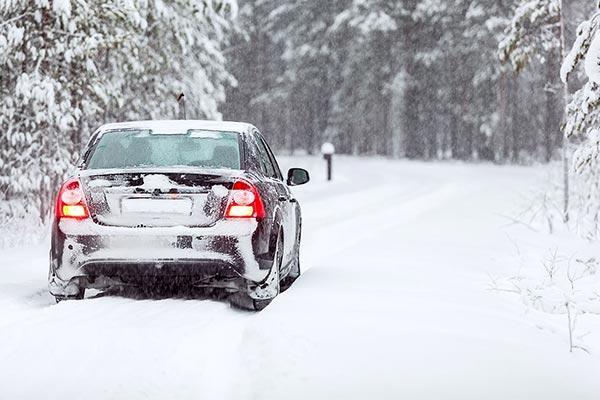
x: 565, y: 157
x: 549, y: 120
x: 514, y: 128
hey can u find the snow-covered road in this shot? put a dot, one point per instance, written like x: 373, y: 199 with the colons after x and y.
x: 393, y: 303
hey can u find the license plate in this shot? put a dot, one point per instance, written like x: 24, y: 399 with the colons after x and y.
x: 157, y: 206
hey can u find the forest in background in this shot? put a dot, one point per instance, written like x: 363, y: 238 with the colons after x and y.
x: 419, y: 79
x: 426, y: 79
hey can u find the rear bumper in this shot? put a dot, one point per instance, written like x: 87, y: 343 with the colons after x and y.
x: 91, y: 255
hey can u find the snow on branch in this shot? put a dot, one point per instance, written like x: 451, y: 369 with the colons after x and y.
x: 578, y: 52
x: 530, y: 32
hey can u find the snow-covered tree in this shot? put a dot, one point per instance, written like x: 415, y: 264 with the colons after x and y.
x: 311, y: 53
x: 361, y: 107
x: 534, y: 35
x: 583, y: 112
x: 68, y: 66
x: 49, y: 85
x: 174, y: 47
x: 583, y: 118
x: 255, y: 59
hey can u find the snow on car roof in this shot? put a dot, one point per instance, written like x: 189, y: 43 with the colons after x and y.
x: 178, y: 126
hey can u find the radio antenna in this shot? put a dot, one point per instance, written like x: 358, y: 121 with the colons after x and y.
x: 181, y: 101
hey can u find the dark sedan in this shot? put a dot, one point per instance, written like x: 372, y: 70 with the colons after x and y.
x: 195, y: 203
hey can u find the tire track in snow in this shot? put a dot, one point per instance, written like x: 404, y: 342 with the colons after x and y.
x: 360, y: 226
x: 363, y: 203
x: 116, y: 347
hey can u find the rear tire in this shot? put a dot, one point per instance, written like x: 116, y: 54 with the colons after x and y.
x: 79, y: 296
x: 295, y: 272
x: 243, y: 301
x: 272, y: 283
x: 289, y: 280
x: 259, y: 305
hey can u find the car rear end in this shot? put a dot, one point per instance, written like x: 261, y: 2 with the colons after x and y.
x: 150, y: 207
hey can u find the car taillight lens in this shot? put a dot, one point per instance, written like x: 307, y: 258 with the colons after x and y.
x: 71, y: 201
x: 244, y: 202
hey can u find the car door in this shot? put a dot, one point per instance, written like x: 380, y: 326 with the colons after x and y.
x: 286, y: 201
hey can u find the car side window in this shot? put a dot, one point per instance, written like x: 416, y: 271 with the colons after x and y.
x: 263, y: 158
x: 278, y: 174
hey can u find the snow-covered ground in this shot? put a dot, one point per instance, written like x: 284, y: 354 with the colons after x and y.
x: 394, y: 302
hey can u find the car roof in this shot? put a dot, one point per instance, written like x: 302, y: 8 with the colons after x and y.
x: 179, y: 126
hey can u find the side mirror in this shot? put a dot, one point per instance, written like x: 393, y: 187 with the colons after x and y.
x: 297, y: 176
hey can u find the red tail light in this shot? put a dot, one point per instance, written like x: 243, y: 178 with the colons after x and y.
x: 71, y: 201
x: 244, y: 202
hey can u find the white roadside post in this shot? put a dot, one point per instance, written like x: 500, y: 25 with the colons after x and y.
x: 328, y: 150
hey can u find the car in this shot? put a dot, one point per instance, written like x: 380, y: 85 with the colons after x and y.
x: 196, y: 203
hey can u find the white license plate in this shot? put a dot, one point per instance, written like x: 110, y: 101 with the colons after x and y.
x: 157, y: 206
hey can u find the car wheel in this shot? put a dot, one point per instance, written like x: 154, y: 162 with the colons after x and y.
x: 264, y: 293
x: 289, y: 280
x: 295, y: 272
x: 79, y: 296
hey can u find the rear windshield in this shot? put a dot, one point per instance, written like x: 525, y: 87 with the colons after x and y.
x: 143, y: 148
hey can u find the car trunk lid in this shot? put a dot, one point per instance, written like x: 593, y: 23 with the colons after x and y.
x: 157, y: 198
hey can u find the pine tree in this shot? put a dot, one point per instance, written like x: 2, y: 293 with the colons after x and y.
x: 534, y: 35
x: 175, y: 47
x: 361, y: 107
x: 310, y: 53
x: 48, y: 86
x: 68, y: 66
x: 583, y: 116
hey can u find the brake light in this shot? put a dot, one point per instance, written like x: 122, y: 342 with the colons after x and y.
x: 244, y: 202
x: 71, y: 201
